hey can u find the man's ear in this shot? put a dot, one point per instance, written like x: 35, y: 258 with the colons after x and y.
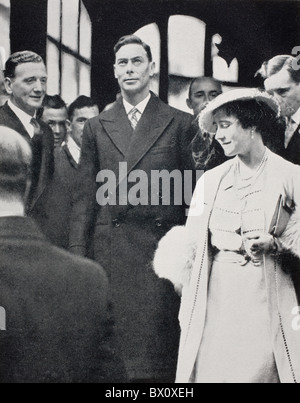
x: 152, y: 69
x: 68, y: 125
x: 189, y: 103
x: 115, y: 72
x: 8, y: 85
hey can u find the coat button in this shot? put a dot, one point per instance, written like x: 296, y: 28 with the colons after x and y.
x: 158, y: 223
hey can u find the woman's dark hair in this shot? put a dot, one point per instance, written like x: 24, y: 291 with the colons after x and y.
x: 257, y: 114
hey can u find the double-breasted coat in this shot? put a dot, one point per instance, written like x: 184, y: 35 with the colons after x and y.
x: 125, y: 236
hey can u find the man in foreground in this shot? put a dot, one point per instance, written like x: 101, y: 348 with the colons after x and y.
x: 54, y: 320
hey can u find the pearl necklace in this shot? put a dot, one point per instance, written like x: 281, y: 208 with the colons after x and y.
x: 265, y: 156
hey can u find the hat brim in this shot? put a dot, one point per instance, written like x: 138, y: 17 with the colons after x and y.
x: 206, y: 117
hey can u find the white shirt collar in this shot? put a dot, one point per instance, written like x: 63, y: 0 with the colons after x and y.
x: 296, y: 117
x: 74, y: 149
x: 24, y: 118
x: 140, y: 107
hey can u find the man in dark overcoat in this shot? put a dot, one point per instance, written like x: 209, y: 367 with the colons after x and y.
x: 124, y: 148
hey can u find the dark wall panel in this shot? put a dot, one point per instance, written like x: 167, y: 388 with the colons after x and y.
x: 29, y: 26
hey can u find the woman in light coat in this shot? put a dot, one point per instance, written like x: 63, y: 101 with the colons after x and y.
x: 239, y: 307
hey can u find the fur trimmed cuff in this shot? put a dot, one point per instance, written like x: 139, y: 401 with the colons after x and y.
x: 290, y: 239
x: 174, y: 257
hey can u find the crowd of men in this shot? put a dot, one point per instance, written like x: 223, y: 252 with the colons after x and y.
x: 59, y: 306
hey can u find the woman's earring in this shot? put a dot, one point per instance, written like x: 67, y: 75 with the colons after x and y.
x: 252, y: 134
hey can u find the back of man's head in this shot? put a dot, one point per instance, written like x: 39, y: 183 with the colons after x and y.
x: 278, y: 63
x: 80, y: 103
x: 19, y: 58
x: 15, y: 165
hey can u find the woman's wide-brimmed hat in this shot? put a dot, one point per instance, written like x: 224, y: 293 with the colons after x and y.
x: 206, y: 117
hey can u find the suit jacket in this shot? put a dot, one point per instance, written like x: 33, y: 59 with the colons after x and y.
x: 292, y: 153
x: 55, y: 223
x: 43, y: 162
x: 125, y: 236
x: 58, y: 326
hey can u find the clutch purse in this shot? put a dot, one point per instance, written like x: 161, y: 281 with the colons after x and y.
x: 282, y: 215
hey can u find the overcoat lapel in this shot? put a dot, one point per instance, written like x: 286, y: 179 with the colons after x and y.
x: 117, y: 126
x: 155, y: 119
x: 135, y: 145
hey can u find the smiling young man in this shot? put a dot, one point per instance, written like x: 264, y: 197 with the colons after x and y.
x: 25, y: 82
x: 146, y: 134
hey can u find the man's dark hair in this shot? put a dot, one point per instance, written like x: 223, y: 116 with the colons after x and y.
x: 53, y: 102
x: 133, y: 40
x: 257, y: 114
x: 277, y: 64
x: 20, y: 58
x: 79, y: 103
x: 15, y: 163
